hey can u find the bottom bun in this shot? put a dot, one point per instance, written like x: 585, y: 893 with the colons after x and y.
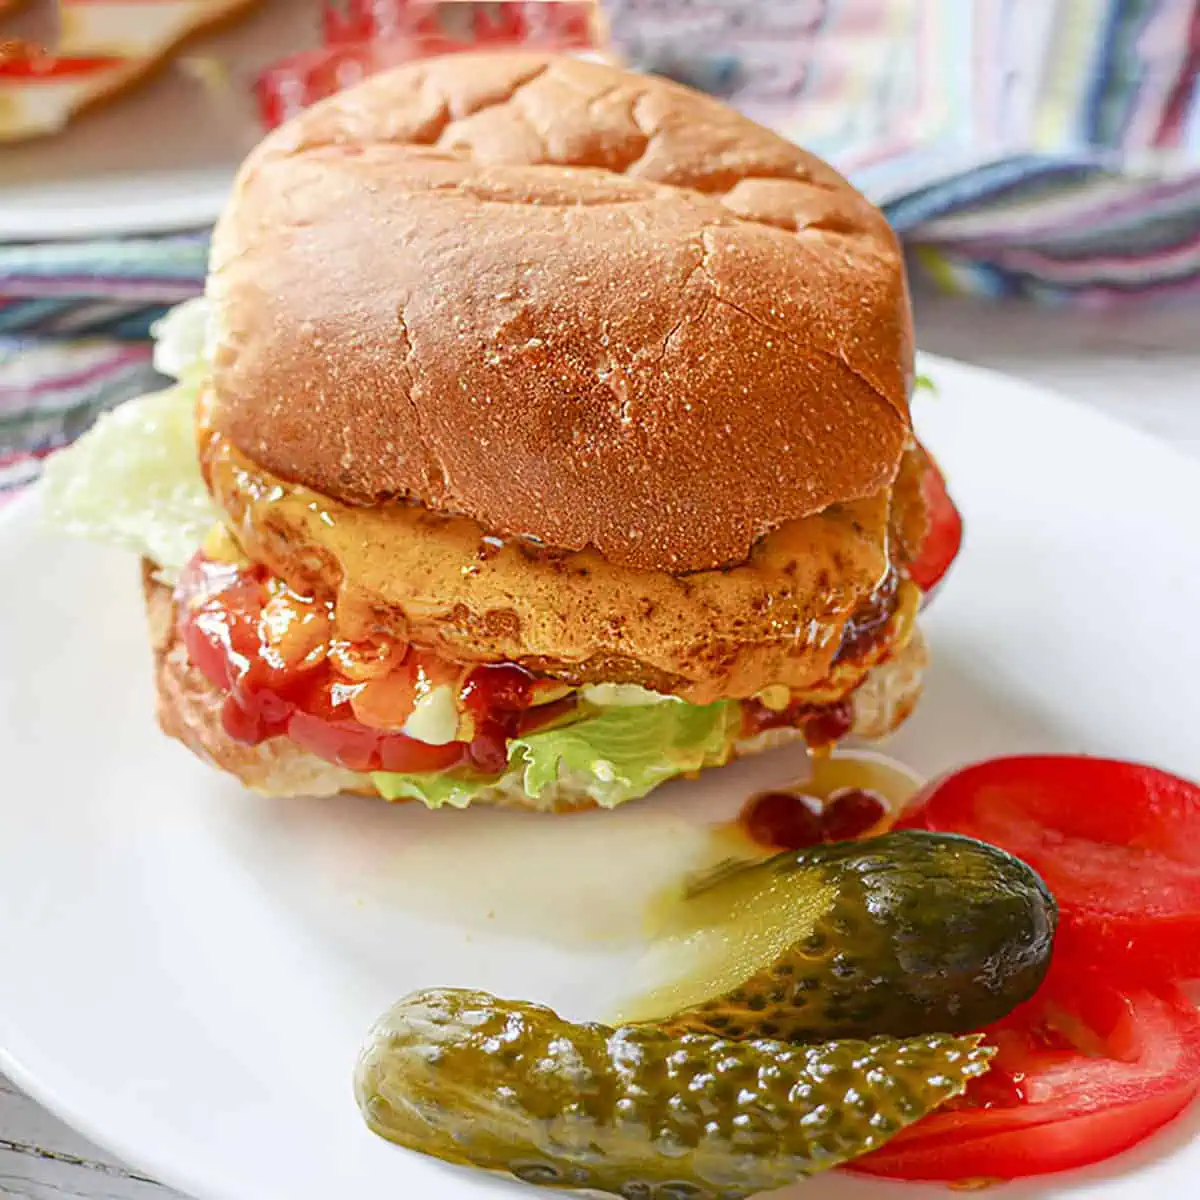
x: 189, y: 709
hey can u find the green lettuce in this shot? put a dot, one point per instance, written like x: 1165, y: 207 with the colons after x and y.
x: 434, y: 791
x: 182, y: 339
x: 618, y: 754
x: 133, y: 480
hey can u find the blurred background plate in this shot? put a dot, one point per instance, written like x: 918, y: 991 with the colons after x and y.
x: 159, y: 157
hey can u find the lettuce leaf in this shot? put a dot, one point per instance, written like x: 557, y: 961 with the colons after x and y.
x: 434, y: 791
x: 618, y: 754
x: 133, y: 480
x: 183, y: 339
x: 625, y: 752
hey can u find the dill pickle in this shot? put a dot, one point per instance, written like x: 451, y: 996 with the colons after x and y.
x: 509, y: 1086
x: 904, y: 934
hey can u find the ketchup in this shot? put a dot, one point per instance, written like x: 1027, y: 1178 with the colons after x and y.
x: 869, y: 620
x: 792, y: 820
x: 274, y: 655
x: 823, y: 724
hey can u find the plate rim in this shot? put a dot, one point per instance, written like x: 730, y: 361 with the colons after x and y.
x: 174, y: 202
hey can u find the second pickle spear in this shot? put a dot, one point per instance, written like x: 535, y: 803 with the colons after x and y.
x: 903, y: 934
x: 509, y: 1086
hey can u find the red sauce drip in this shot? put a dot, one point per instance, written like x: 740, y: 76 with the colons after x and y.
x: 784, y: 820
x: 852, y: 812
x: 867, y: 621
x: 546, y: 715
x: 823, y: 724
x: 221, y: 624
x: 506, y: 686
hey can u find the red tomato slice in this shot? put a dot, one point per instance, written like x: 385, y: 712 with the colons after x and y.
x: 359, y: 748
x: 944, y: 536
x: 1118, y: 845
x: 1083, y: 1071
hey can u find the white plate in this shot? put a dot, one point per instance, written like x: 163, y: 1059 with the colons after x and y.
x: 188, y: 970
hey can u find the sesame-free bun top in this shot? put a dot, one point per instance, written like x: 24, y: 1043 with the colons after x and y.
x: 563, y: 300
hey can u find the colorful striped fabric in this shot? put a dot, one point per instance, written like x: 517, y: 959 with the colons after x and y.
x: 52, y: 390
x: 1047, y: 148
x: 1040, y: 148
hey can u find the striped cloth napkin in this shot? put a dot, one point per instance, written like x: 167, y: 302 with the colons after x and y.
x: 75, y: 322
x: 1040, y: 148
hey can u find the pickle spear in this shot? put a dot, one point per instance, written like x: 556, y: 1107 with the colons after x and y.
x: 904, y: 934
x: 509, y: 1086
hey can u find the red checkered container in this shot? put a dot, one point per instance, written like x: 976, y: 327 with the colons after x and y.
x: 361, y: 37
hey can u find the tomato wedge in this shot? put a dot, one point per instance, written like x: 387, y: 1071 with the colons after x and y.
x: 943, y: 539
x: 1084, y: 1070
x: 1118, y: 844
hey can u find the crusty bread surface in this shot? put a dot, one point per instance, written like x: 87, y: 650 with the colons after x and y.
x: 565, y: 301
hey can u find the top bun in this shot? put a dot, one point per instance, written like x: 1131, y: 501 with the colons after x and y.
x: 567, y: 301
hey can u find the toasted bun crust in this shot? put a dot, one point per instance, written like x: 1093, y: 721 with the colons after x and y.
x: 189, y: 709
x: 565, y: 301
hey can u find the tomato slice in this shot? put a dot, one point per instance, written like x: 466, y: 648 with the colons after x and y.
x: 943, y: 539
x: 1083, y: 1071
x: 327, y: 728
x: 1118, y: 844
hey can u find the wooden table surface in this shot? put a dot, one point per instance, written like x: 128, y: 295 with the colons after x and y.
x: 1143, y: 369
